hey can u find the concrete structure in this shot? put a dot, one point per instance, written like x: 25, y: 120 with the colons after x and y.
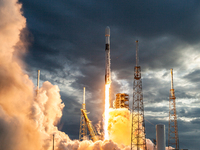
x: 160, y: 137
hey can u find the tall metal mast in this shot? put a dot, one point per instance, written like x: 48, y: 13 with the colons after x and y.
x: 173, y: 139
x: 83, y: 126
x: 138, y: 135
x: 137, y: 58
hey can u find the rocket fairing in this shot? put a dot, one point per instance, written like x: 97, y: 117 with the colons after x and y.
x: 107, y: 50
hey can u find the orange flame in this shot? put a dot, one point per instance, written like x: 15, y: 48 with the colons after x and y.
x: 106, y: 113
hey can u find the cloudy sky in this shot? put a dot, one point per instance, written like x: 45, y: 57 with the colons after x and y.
x: 66, y: 42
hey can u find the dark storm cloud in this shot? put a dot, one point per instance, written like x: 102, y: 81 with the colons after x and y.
x: 82, y: 26
x: 191, y: 135
x: 158, y: 109
x: 71, y: 115
x: 157, y: 18
x: 70, y: 106
x: 189, y: 112
x: 68, y: 47
x: 193, y: 76
x: 153, y: 94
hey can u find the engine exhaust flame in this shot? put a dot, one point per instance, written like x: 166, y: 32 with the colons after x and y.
x: 106, y: 113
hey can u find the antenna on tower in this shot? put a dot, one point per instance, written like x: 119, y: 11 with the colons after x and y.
x: 137, y: 70
x: 138, y: 135
x: 137, y: 58
x: 173, y: 139
x: 38, y: 80
x: 172, y: 85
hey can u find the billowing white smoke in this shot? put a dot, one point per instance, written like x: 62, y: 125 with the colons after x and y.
x: 27, y: 121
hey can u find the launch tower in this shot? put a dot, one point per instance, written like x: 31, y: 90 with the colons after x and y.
x: 91, y: 129
x: 121, y: 101
x: 83, y: 126
x: 173, y: 139
x: 138, y: 135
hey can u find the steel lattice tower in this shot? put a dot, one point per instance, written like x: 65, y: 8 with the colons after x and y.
x: 138, y: 135
x: 83, y: 125
x: 173, y: 139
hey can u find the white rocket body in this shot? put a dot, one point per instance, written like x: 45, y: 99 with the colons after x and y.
x: 107, y: 50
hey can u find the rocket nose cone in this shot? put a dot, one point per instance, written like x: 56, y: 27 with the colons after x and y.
x: 107, y: 31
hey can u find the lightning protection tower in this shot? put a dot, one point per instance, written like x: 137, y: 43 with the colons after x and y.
x: 138, y: 135
x: 173, y: 139
x: 83, y: 126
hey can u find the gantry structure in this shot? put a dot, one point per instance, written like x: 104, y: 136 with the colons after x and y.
x: 121, y: 101
x: 83, y: 126
x: 86, y: 124
x: 173, y: 139
x: 138, y: 135
x: 91, y: 129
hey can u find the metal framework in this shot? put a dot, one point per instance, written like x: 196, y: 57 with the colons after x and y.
x: 91, y: 129
x: 83, y: 126
x: 138, y: 135
x: 173, y: 139
x: 121, y: 101
x: 83, y: 129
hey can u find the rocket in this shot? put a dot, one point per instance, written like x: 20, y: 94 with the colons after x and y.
x: 107, y: 50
